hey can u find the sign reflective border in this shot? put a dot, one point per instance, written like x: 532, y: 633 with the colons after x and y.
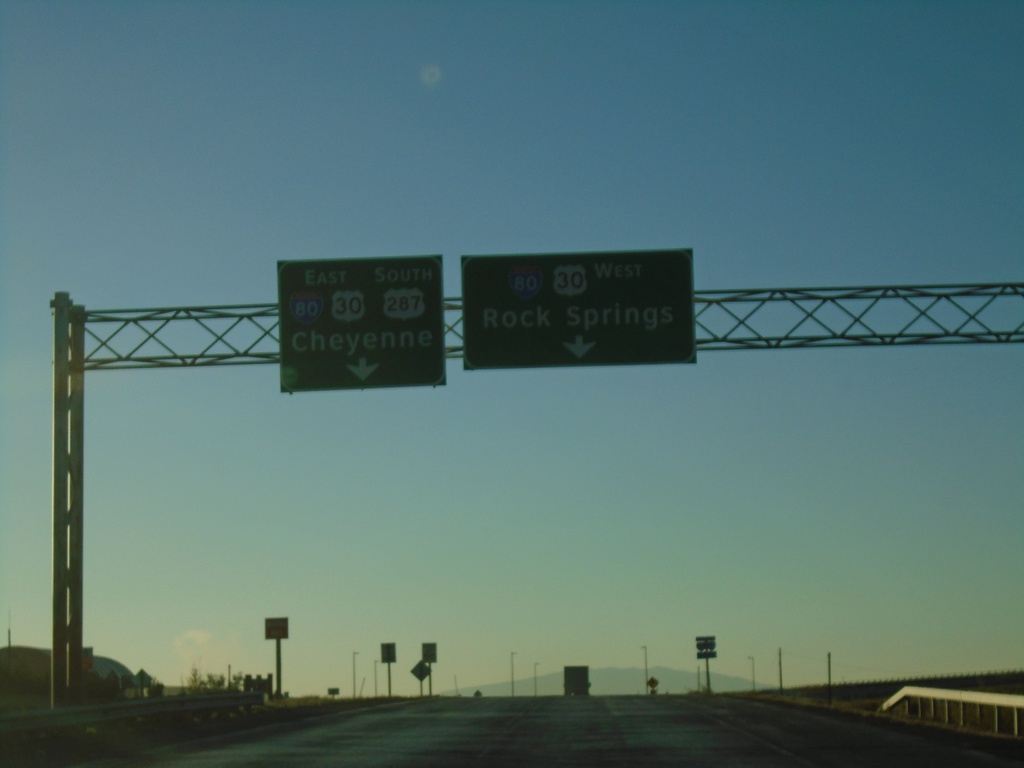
x: 617, y: 308
x: 361, y: 323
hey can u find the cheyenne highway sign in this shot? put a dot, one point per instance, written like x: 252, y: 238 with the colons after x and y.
x: 361, y: 323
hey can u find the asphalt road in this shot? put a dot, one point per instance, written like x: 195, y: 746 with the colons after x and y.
x: 598, y: 731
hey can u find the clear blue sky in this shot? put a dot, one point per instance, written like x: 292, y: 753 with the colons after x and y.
x: 863, y: 502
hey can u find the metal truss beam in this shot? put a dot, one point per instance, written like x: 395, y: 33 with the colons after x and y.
x: 775, y: 318
x: 844, y: 317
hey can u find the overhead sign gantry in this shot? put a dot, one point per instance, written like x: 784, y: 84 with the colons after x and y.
x: 257, y: 334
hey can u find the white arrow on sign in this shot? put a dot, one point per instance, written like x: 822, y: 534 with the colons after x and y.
x: 579, y: 348
x: 363, y: 370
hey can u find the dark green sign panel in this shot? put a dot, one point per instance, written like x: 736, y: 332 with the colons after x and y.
x: 619, y: 308
x: 361, y: 323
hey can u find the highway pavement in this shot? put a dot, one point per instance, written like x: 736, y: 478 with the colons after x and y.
x: 654, y: 731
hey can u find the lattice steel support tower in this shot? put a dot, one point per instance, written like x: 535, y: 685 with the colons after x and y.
x: 68, y: 499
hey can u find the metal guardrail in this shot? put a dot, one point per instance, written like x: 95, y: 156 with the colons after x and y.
x: 932, y: 695
x: 77, y: 716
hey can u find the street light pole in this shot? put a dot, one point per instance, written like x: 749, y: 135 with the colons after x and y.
x: 646, y: 677
x: 513, y: 664
x: 375, y: 663
x: 354, y: 654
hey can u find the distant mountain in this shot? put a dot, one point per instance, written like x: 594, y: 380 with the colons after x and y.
x: 612, y: 681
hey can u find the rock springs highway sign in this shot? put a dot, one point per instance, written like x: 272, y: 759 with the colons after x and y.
x: 616, y: 308
x: 361, y: 323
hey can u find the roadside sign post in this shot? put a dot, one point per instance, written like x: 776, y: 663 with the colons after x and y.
x: 421, y: 671
x: 276, y: 629
x: 581, y: 309
x: 361, y: 323
x: 430, y: 657
x: 388, y: 655
x: 706, y: 650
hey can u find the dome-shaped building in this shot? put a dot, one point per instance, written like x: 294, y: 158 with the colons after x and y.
x: 26, y: 671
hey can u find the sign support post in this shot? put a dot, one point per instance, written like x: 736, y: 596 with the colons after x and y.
x: 388, y: 654
x: 420, y: 671
x: 59, y: 657
x: 277, y: 692
x: 706, y: 650
x: 66, y: 656
x: 430, y: 657
x: 276, y: 629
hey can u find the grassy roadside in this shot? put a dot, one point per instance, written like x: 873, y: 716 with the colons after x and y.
x: 56, y: 748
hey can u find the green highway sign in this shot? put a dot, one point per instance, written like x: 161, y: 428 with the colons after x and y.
x: 361, y: 323
x: 616, y: 308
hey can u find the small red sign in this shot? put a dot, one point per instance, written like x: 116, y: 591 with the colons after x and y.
x: 276, y: 629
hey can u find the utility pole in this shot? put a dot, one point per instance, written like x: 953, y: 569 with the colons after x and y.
x: 354, y: 654
x: 513, y: 664
x: 780, y: 671
x: 830, y: 678
x: 646, y: 677
x: 753, y: 682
